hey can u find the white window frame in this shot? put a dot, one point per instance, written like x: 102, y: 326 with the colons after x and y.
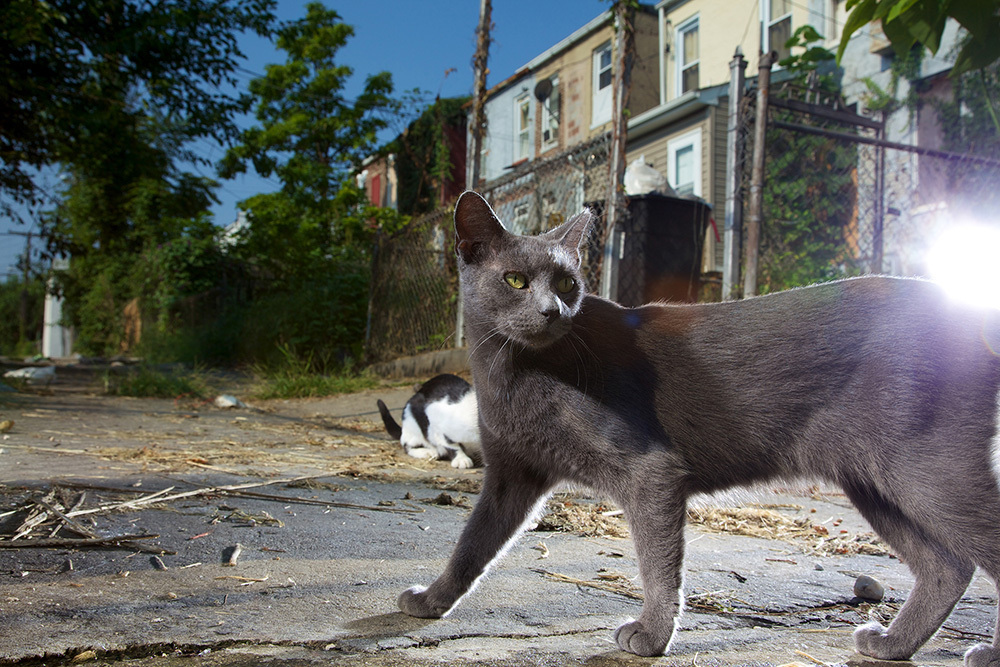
x: 767, y: 21
x: 550, y: 117
x: 601, y: 99
x: 522, y: 101
x: 682, y: 29
x: 690, y: 140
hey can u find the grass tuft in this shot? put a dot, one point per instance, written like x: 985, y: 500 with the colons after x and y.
x: 149, y: 382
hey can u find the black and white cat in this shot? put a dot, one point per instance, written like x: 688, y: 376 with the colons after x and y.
x: 440, y: 421
x: 883, y: 386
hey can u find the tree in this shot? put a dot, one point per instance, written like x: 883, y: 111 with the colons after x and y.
x: 65, y: 62
x: 310, y: 241
x: 113, y: 92
x: 908, y: 23
x: 311, y: 137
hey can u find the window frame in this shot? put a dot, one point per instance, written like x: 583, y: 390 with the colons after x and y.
x: 677, y: 144
x: 767, y: 22
x: 522, y: 136
x: 684, y: 28
x: 601, y: 98
x: 550, y: 120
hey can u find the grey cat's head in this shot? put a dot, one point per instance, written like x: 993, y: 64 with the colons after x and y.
x: 527, y: 288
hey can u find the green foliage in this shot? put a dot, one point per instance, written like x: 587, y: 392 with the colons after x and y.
x: 809, y: 193
x: 13, y: 341
x: 424, y: 154
x: 309, y: 135
x: 69, y: 68
x: 970, y: 125
x: 903, y: 67
x: 908, y: 23
x: 301, y: 376
x: 149, y: 382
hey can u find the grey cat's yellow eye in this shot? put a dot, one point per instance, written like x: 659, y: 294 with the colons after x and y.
x: 516, y: 280
x: 565, y: 285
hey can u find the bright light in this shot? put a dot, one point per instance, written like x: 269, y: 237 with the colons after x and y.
x: 965, y: 260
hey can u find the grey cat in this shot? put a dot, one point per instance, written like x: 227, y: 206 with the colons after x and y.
x: 880, y: 385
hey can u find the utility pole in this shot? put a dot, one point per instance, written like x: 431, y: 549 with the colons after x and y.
x: 757, y: 174
x: 732, y: 239
x: 480, y: 64
x: 621, y: 87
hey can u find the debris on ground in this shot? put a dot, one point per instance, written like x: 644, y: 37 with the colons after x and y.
x: 868, y: 588
x: 228, y: 401
x: 770, y: 524
x: 584, y: 519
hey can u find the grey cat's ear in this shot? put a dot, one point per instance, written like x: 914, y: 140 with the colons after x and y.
x: 570, y: 234
x: 477, y: 227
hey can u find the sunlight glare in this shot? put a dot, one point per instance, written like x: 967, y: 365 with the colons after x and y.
x: 965, y: 260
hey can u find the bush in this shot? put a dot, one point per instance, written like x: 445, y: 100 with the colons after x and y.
x: 13, y: 341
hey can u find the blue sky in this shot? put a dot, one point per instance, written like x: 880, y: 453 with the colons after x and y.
x: 417, y: 41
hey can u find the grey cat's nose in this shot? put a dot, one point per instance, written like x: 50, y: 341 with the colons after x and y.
x: 551, y: 310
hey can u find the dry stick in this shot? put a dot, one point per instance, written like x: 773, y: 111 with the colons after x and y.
x: 121, y: 540
x: 590, y: 584
x: 80, y: 529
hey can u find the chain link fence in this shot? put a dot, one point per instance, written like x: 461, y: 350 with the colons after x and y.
x: 413, y: 302
x: 839, y: 199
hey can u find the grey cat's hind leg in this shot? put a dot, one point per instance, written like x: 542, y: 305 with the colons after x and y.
x: 941, y: 579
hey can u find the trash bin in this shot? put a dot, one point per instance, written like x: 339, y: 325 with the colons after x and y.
x: 662, y: 249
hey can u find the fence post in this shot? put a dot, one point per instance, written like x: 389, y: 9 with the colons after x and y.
x: 616, y: 157
x: 879, y: 213
x: 757, y: 175
x: 733, y: 231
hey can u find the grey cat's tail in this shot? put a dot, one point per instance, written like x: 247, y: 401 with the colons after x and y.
x: 394, y: 429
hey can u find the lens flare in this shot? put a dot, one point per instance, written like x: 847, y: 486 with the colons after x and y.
x: 965, y: 260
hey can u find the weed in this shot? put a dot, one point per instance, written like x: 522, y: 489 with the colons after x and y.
x: 298, y: 377
x: 150, y: 382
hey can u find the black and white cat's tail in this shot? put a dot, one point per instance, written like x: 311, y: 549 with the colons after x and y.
x: 394, y: 429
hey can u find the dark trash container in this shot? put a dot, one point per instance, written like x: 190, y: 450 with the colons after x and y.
x: 663, y: 243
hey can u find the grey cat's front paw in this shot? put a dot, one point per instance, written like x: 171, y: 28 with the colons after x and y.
x: 873, y: 640
x: 415, y: 602
x: 635, y: 638
x: 982, y: 655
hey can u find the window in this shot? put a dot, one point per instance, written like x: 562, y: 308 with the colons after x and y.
x: 687, y: 57
x: 776, y: 26
x: 522, y: 128
x: 550, y: 117
x: 601, y: 112
x: 684, y: 163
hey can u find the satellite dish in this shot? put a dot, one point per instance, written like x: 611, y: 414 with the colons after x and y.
x: 543, y: 89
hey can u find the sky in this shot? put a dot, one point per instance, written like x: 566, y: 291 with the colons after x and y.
x: 418, y: 41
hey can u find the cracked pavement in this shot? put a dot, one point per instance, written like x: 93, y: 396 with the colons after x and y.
x: 337, y: 522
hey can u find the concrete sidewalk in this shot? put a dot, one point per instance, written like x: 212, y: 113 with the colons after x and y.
x: 338, y: 521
